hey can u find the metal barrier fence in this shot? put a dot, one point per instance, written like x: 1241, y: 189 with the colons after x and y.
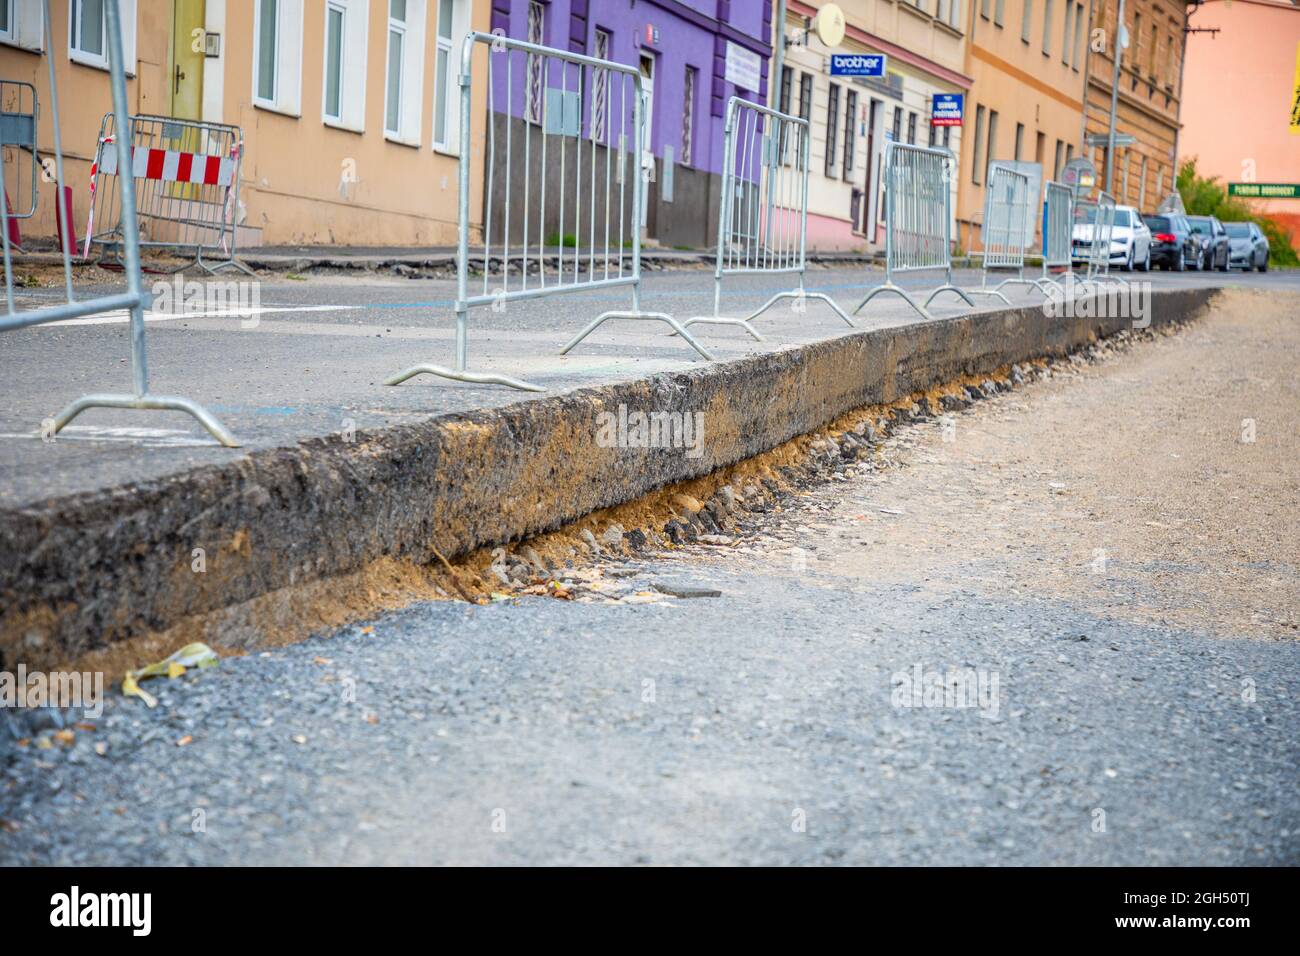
x: 186, y: 176
x: 1005, y: 230
x: 134, y: 298
x: 1099, y: 214
x: 918, y: 219
x: 568, y: 218
x: 19, y: 115
x: 1058, y: 223
x: 763, y: 212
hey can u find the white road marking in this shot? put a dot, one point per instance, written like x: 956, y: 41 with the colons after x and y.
x: 120, y: 316
x: 154, y: 437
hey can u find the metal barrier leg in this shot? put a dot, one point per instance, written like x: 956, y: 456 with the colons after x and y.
x: 157, y: 402
x: 949, y: 287
x: 460, y: 373
x: 889, y: 286
x: 745, y: 322
x: 676, y: 326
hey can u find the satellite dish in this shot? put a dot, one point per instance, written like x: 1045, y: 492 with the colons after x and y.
x: 829, y: 25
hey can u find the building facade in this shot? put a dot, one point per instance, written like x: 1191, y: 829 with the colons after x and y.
x: 347, y: 107
x: 851, y: 119
x: 1253, y: 138
x: 1028, y: 61
x: 693, y: 56
x: 1150, y: 97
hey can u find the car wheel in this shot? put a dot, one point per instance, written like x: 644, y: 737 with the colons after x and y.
x: 1146, y: 263
x: 1180, y: 262
x: 1264, y: 267
x: 1224, y: 267
x: 1128, y: 266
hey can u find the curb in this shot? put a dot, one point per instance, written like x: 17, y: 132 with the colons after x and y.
x: 80, y: 573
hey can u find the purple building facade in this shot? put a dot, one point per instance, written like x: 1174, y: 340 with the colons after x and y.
x: 693, y: 56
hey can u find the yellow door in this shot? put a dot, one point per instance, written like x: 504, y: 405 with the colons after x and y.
x: 187, y: 59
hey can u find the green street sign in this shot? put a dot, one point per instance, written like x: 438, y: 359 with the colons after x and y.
x: 1265, y: 190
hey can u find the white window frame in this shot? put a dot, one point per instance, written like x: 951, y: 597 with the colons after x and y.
x: 7, y: 34
x: 410, y: 103
x: 449, y: 86
x: 954, y: 14
x: 352, y: 66
x: 99, y: 61
x: 287, y: 98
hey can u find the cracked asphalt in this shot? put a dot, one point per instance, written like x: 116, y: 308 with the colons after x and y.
x: 1101, y: 551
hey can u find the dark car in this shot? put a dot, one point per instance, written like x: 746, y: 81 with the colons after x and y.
x: 1247, y: 246
x: 1173, y: 244
x: 1214, y: 242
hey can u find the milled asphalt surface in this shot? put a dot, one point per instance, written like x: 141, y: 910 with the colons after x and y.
x: 296, y: 374
x: 702, y: 730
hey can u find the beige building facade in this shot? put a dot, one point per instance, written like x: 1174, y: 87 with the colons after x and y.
x: 1028, y: 60
x: 348, y: 108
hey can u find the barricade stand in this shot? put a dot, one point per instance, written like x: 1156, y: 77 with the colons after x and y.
x: 19, y: 114
x: 1007, y: 206
x: 763, y: 213
x: 133, y: 300
x: 187, y: 188
x: 918, y: 219
x: 554, y: 239
x: 1058, y: 218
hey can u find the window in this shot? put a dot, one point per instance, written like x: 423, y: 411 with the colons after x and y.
x: 805, y: 96
x: 1020, y: 140
x: 832, y: 127
x: 1065, y: 43
x: 1142, y: 185
x: 396, y: 43
x: 850, y: 129
x: 911, y: 128
x: 533, y: 92
x: 449, y: 34
x: 22, y: 24
x: 992, y: 153
x: 954, y: 14
x: 984, y: 9
x: 404, y: 69
x: 87, y: 39
x: 999, y: 8
x: 600, y: 83
x: 1078, y: 36
x: 1047, y: 28
x: 344, y: 100
x: 979, y: 143
x: 1056, y: 168
x: 277, y: 55
x: 1026, y: 20
x: 897, y: 128
x: 783, y: 104
x: 688, y: 116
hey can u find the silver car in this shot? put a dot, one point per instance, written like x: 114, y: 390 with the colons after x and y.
x: 1247, y: 246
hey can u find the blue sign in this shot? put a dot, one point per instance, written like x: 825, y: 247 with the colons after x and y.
x: 858, y: 64
x: 946, y: 109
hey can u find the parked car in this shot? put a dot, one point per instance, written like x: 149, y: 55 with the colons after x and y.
x: 1173, y: 244
x: 1130, y: 239
x: 1214, y: 242
x: 1247, y: 246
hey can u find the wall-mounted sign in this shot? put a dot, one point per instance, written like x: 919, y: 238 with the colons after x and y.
x: 858, y: 64
x: 744, y: 67
x: 1265, y: 190
x: 651, y: 35
x: 1080, y: 175
x: 946, y: 109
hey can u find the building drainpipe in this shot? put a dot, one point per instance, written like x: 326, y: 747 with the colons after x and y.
x: 778, y: 57
x: 1114, y: 97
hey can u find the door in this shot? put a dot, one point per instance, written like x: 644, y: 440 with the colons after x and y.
x: 647, y: 116
x: 187, y: 59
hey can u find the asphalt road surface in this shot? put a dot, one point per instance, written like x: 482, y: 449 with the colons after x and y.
x: 313, y: 359
x: 1057, y: 628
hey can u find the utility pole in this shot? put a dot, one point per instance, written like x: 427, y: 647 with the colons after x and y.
x: 1121, y: 35
x: 778, y: 56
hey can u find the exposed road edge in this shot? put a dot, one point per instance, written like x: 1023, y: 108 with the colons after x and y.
x: 82, y: 572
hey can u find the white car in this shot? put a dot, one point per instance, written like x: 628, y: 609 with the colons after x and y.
x: 1130, y: 239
